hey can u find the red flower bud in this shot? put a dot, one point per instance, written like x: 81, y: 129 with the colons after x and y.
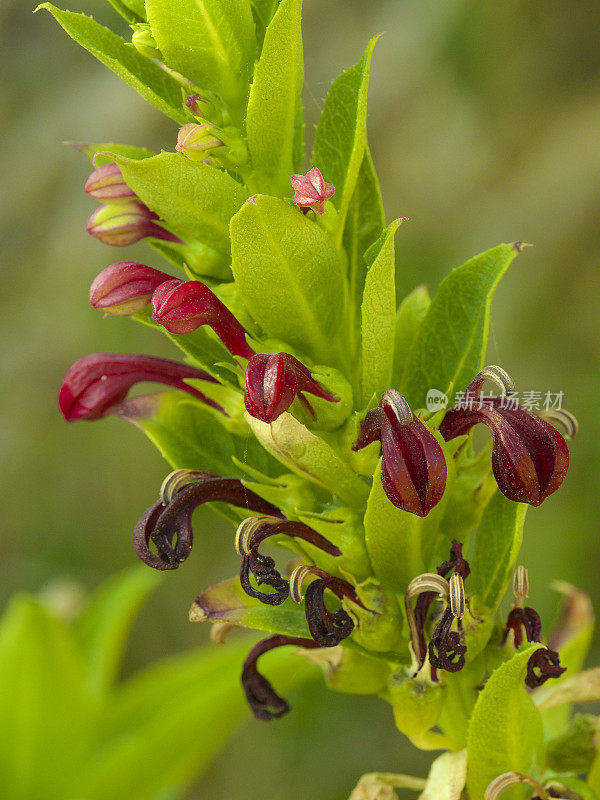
x: 96, y: 383
x: 529, y: 457
x: 274, y: 381
x: 311, y: 191
x: 126, y: 223
x: 183, y: 306
x: 107, y: 185
x: 413, y: 472
x: 125, y: 287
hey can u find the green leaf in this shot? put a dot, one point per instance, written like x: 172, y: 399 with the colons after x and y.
x: 47, y: 718
x: 275, y: 99
x: 264, y: 10
x: 497, y: 546
x: 104, y: 626
x: 417, y: 706
x: 147, y: 78
x: 228, y: 602
x: 129, y: 11
x: 379, y: 317
x: 505, y: 733
x: 196, y: 200
x: 168, y: 722
x: 100, y: 154
x: 411, y: 313
x: 189, y: 434
x: 364, y: 225
x: 310, y: 457
x: 450, y: 347
x: 341, y: 134
x: 289, y: 276
x: 211, y: 42
x: 575, y: 748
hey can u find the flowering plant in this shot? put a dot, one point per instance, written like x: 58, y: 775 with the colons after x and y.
x: 304, y: 410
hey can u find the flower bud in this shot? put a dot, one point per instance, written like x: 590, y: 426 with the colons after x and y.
x: 125, y: 287
x: 311, y: 191
x: 183, y: 306
x: 123, y: 224
x: 529, y: 457
x: 96, y: 383
x: 143, y: 41
x: 274, y: 381
x: 197, y: 141
x: 107, y: 185
x: 413, y: 470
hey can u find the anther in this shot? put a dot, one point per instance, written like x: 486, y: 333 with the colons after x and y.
x: 520, y: 585
x: 246, y: 530
x: 508, y: 779
x: 498, y: 376
x: 564, y: 418
x: 176, y: 480
x: 457, y: 596
x: 297, y: 579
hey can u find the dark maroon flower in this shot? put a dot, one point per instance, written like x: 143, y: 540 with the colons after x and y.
x: 529, y: 457
x: 126, y: 223
x: 413, y: 472
x: 251, y: 534
x: 274, y: 381
x: 125, y: 287
x: 183, y: 306
x: 169, y: 527
x: 265, y: 703
x: 96, y: 383
x: 543, y: 664
x: 108, y: 185
x: 446, y: 648
x: 311, y: 191
x: 523, y: 619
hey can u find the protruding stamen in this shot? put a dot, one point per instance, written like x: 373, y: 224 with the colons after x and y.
x: 508, y: 779
x: 498, y: 376
x: 246, y: 530
x: 176, y: 480
x: 297, y: 579
x: 427, y: 582
x: 520, y: 585
x: 457, y: 596
x: 564, y: 418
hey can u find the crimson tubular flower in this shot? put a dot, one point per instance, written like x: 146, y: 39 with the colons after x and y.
x: 274, y: 381
x: 96, y: 383
x: 184, y: 306
x: 125, y: 287
x: 529, y: 457
x: 413, y: 472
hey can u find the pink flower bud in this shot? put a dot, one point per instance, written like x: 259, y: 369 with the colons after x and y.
x: 196, y: 141
x: 311, y: 191
x: 125, y: 287
x: 107, y: 185
x: 126, y: 223
x: 274, y: 381
x: 413, y: 471
x: 95, y: 384
x: 183, y: 306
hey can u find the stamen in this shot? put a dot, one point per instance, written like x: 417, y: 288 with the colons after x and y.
x: 176, y: 480
x: 520, y: 585
x: 297, y: 579
x: 498, y: 376
x: 246, y: 531
x: 428, y: 582
x: 508, y: 779
x: 457, y: 596
x: 564, y: 418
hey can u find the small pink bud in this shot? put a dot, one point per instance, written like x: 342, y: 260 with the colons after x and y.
x: 196, y: 141
x: 107, y: 185
x: 183, y: 306
x: 125, y: 287
x: 311, y: 191
x: 126, y: 223
x: 193, y: 103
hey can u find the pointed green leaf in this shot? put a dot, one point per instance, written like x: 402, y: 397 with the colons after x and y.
x: 450, y: 348
x: 505, y: 733
x: 47, y: 718
x: 228, y: 602
x: 411, y: 313
x: 289, y: 276
x: 275, y: 99
x: 196, y: 200
x: 129, y: 10
x: 147, y: 78
x: 341, y: 134
x: 310, y: 457
x: 100, y: 154
x: 264, y: 10
x: 497, y: 546
x: 104, y: 626
x: 211, y: 42
x: 379, y: 317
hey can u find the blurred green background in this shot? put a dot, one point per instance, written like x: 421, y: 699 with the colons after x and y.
x: 485, y: 127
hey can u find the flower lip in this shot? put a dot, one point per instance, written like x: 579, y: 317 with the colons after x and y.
x: 183, y: 306
x: 529, y: 456
x: 125, y: 287
x: 542, y: 665
x: 96, y: 383
x: 413, y: 471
